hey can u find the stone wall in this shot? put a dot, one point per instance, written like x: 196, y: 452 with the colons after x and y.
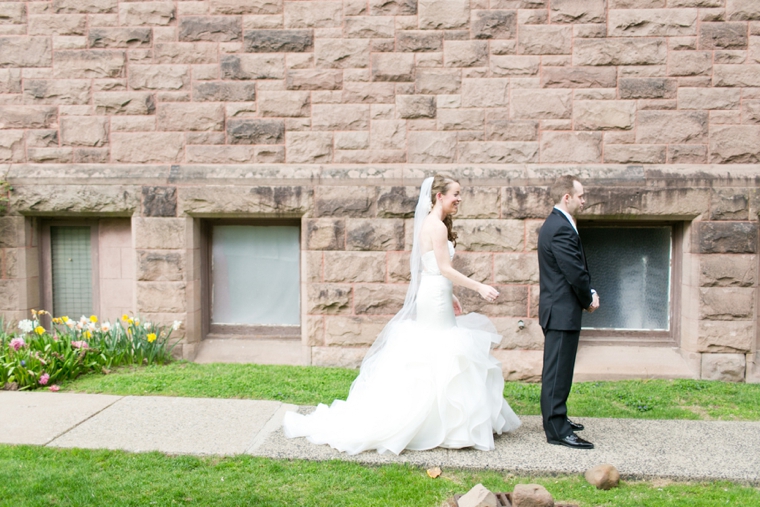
x: 332, y: 111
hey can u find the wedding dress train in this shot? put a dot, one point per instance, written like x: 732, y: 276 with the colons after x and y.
x: 433, y: 384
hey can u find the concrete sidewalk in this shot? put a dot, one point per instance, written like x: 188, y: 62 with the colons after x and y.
x: 680, y: 450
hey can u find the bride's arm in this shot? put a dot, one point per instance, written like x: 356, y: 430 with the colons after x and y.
x: 441, y: 248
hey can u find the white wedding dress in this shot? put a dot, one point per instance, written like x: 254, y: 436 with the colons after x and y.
x: 434, y: 383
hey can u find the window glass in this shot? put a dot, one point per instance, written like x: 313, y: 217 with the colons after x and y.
x: 255, y: 275
x: 71, y: 265
x: 630, y: 269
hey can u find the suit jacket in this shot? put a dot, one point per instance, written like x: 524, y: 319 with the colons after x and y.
x: 564, y: 279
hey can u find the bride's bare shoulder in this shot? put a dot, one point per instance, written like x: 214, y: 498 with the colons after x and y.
x: 433, y: 226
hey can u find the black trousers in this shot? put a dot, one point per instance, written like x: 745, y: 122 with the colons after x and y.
x: 560, y: 349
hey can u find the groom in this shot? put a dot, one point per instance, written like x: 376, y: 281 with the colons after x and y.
x: 565, y: 291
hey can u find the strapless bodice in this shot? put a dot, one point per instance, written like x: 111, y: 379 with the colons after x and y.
x: 430, y: 265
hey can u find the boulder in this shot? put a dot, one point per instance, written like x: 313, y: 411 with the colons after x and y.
x: 478, y: 496
x: 603, y: 476
x: 531, y: 495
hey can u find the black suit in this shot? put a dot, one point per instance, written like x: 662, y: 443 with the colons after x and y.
x: 565, y: 286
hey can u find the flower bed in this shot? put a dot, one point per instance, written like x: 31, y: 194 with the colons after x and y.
x: 34, y: 356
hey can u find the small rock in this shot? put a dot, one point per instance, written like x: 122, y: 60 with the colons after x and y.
x: 11, y: 386
x: 478, y: 496
x: 531, y: 495
x: 434, y: 472
x: 603, y: 476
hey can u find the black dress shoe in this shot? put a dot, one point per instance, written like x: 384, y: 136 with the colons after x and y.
x: 573, y: 441
x: 575, y: 426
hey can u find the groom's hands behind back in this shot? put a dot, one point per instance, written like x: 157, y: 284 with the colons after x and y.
x: 594, y: 303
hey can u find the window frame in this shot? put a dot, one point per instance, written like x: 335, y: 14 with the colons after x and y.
x: 241, y: 331
x: 670, y: 337
x: 46, y: 261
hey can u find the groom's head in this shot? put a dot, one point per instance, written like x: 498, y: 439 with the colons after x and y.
x: 567, y: 194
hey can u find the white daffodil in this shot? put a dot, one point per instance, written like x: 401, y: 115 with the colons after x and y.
x: 176, y: 324
x: 26, y: 326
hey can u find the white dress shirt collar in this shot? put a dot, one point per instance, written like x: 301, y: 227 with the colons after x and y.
x: 569, y: 217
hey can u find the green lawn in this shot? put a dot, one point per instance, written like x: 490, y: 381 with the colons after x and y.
x: 39, y: 476
x: 648, y: 399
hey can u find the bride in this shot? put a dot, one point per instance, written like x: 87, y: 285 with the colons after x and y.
x: 429, y: 379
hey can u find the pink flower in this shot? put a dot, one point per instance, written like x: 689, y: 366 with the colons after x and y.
x: 80, y: 344
x: 17, y: 343
x: 44, y: 379
x: 55, y: 388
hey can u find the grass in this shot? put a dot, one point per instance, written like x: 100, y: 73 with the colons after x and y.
x: 38, y: 476
x: 642, y: 399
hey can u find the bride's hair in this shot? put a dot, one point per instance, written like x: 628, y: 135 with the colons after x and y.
x: 441, y: 184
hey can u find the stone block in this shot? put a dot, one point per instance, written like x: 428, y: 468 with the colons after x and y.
x: 507, y: 130
x: 85, y: 6
x: 413, y: 107
x: 352, y: 140
x: 169, y: 297
x: 220, y: 154
x: 388, y: 135
x: 479, y: 202
x: 328, y: 299
x: 392, y: 7
x: 344, y: 201
x: 519, y: 336
x: 12, y: 14
x: 726, y: 336
x: 671, y: 127
x: 119, y: 37
x: 341, y: 53
x: 520, y: 268
x: 578, y: 77
x: 249, y: 67
x: 545, y: 40
x: 398, y: 267
x: 604, y: 114
x: 727, y: 237
x: 736, y: 75
x: 485, y: 92
x: 511, y: 302
x: 493, y: 24
x: 12, y: 146
x: 647, y: 88
x: 159, y: 77
x: 687, y: 154
x: 510, y: 65
x: 159, y: 233
x: 313, y: 14
x: 374, y: 235
x: 478, y: 496
x: 338, y: 357
x: 635, y: 153
x: 520, y: 365
x: 438, y: 81
x: 325, y: 234
x: 397, y: 202
x: 210, y: 28
x: 465, y: 53
x: 254, y: 131
x: 349, y: 331
x: 620, y: 51
x: 432, y: 147
x: 10, y: 80
x: 196, y: 53
x: 708, y: 98
x: 571, y: 147
x: 28, y: 117
x: 541, y: 103
x: 314, y: 79
x: 57, y: 92
x: 751, y: 111
x: 724, y: 367
x: 475, y: 265
x: 496, y: 152
x: 50, y: 155
x: 147, y: 13
x: 378, y: 299
x: 727, y: 270
x: 726, y: 303
x: 159, y: 201
x: 126, y: 103
x: 25, y: 52
x: 278, y: 41
x: 652, y: 22
x: 340, y: 116
x: 191, y: 117
x: 309, y: 147
x: 577, y: 11
x: 160, y: 265
x: 443, y: 14
x: 216, y: 91
x: 742, y: 10
x: 369, y: 93
x: 284, y: 104
x: 489, y: 235
x: 416, y: 41
x: 89, y: 64
x: 729, y: 204
x: 723, y: 36
x: 65, y: 28
x: 246, y: 7
x: 147, y: 147
x: 42, y: 138
x: 91, y: 131
x: 689, y: 63
x: 526, y: 202
x: 354, y: 267
x: 396, y: 67
x: 735, y: 144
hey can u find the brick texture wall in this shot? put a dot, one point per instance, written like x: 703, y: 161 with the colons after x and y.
x: 380, y: 81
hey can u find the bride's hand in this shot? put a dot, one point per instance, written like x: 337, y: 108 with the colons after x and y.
x: 457, y: 305
x: 488, y: 293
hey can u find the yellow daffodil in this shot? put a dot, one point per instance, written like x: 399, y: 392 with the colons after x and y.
x: 125, y: 318
x: 93, y: 318
x: 87, y: 335
x: 39, y: 330
x: 65, y: 319
x: 151, y: 337
x: 56, y: 320
x: 130, y: 321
